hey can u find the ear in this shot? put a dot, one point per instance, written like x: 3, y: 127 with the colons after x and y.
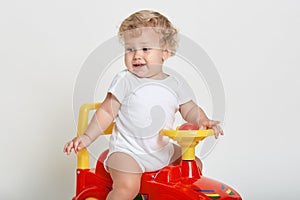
x: 166, y: 54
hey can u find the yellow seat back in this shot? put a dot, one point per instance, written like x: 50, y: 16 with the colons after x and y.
x: 83, y: 155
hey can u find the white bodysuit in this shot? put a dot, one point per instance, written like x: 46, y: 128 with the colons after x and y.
x: 147, y: 106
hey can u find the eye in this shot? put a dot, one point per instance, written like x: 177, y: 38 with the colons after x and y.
x: 145, y: 49
x: 130, y: 50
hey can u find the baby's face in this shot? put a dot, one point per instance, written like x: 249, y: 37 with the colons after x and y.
x: 144, y: 55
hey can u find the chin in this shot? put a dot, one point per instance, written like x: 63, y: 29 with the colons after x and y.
x: 139, y: 73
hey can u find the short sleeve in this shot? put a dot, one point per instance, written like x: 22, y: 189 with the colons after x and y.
x: 184, y: 91
x: 118, y: 86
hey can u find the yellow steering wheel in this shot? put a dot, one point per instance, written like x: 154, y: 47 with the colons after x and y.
x: 187, y: 139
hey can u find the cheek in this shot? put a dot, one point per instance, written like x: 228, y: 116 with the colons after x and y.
x: 157, y: 56
x: 157, y: 59
x: 127, y: 58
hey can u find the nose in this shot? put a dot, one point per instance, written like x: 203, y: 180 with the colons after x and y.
x: 138, y: 54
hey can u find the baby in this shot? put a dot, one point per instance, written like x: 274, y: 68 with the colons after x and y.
x: 142, y: 100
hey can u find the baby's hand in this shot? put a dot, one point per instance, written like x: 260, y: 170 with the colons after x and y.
x: 77, y: 144
x: 211, y: 124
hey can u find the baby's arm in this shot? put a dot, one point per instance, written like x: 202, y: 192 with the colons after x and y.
x: 192, y: 113
x: 101, y: 120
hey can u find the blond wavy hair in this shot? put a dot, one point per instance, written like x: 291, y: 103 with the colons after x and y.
x: 151, y: 19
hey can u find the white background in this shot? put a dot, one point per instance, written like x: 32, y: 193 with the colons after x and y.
x: 254, y: 44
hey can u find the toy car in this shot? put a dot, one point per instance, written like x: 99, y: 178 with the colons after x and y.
x: 173, y: 182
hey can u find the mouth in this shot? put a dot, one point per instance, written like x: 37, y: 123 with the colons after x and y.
x: 137, y: 65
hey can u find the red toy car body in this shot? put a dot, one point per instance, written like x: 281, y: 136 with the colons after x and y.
x: 174, y: 182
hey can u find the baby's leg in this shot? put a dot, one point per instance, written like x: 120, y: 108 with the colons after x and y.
x: 176, y: 158
x: 126, y: 175
x: 199, y: 163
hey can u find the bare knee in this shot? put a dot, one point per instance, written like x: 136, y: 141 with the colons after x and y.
x: 199, y: 163
x: 176, y: 158
x: 127, y: 188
